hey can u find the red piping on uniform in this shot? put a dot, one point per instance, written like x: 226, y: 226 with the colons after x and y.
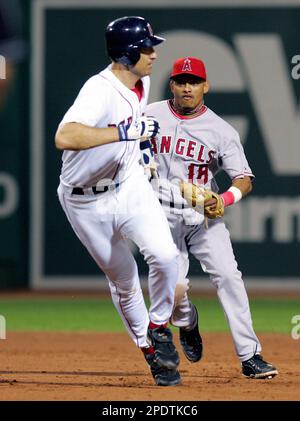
x: 129, y: 325
x: 139, y: 90
x: 243, y: 175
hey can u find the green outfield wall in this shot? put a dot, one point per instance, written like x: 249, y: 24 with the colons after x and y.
x: 252, y: 53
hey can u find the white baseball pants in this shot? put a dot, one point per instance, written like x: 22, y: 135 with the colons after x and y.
x: 213, y: 249
x: 103, y: 222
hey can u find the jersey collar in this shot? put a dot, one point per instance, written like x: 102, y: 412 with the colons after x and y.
x: 183, y: 117
x: 128, y: 93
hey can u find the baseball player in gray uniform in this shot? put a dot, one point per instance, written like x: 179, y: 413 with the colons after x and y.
x: 107, y: 199
x: 193, y: 145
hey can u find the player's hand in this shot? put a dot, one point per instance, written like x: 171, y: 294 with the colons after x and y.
x: 143, y: 128
x: 202, y: 200
x: 212, y: 203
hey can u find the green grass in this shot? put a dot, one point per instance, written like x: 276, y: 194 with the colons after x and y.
x: 268, y: 315
x: 99, y: 314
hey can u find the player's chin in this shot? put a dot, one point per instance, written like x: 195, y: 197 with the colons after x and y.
x: 186, y: 109
x: 188, y: 101
x: 148, y: 71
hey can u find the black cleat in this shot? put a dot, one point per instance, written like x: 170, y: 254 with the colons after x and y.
x: 165, y: 352
x: 191, y: 342
x: 257, y: 368
x: 162, y: 376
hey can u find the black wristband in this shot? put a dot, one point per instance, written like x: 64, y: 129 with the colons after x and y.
x: 145, y: 145
x: 122, y: 132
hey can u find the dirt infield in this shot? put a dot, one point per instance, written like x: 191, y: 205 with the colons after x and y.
x: 108, y: 367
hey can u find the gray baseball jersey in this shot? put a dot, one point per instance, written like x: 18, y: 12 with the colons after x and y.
x: 196, y: 149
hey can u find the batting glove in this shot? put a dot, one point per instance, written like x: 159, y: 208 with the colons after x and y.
x: 148, y: 161
x: 143, y: 128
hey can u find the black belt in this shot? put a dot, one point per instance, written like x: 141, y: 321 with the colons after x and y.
x: 96, y: 189
x: 173, y: 205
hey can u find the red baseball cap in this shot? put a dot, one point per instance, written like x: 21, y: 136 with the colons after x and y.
x: 189, y: 65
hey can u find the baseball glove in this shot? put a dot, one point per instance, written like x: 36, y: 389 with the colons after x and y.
x: 213, y: 205
x: 202, y: 200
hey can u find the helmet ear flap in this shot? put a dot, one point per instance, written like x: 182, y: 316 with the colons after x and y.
x: 124, y: 60
x: 129, y: 57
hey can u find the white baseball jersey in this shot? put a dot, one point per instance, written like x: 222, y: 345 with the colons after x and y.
x: 196, y: 149
x: 104, y: 101
x: 103, y: 221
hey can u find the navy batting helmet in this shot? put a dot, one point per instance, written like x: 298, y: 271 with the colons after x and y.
x: 126, y: 36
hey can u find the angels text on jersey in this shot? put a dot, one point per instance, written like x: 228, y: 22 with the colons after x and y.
x: 187, y: 149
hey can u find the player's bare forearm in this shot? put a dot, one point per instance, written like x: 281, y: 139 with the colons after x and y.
x: 76, y: 136
x: 243, y: 184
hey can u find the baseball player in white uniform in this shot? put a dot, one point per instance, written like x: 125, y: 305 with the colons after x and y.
x: 193, y: 145
x: 107, y: 199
